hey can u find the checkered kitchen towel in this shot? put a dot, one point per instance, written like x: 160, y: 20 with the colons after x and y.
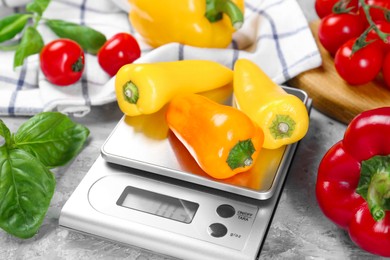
x: 275, y: 35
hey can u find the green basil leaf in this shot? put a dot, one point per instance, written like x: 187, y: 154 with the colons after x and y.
x: 31, y: 43
x: 38, y: 6
x: 4, y: 132
x: 89, y: 39
x: 51, y: 137
x: 10, y: 47
x: 11, y: 25
x: 26, y: 189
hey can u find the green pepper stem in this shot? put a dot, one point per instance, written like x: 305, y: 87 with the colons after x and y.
x: 241, y: 154
x: 282, y: 126
x: 130, y: 92
x: 374, y: 185
x: 216, y: 8
x: 378, y: 192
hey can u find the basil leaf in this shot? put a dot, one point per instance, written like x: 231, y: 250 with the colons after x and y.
x: 11, y: 25
x: 38, y: 6
x: 26, y: 189
x: 31, y: 43
x: 4, y: 132
x: 89, y: 39
x: 51, y: 137
x: 10, y: 47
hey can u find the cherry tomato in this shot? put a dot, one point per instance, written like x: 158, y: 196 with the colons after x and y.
x: 336, y: 29
x: 62, y: 62
x: 325, y: 7
x: 362, y: 66
x: 383, y: 26
x: 377, y: 14
x: 386, y: 70
x: 119, y: 50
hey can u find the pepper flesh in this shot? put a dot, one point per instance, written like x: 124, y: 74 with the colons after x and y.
x: 353, y: 182
x: 222, y: 140
x: 146, y: 88
x: 282, y: 116
x: 186, y: 21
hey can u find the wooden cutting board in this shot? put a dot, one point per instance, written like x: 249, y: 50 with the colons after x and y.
x: 332, y: 95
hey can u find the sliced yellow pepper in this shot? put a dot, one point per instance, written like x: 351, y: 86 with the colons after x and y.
x: 282, y: 116
x: 201, y: 23
x: 146, y: 88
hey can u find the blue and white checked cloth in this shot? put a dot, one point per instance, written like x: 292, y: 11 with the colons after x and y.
x: 275, y: 35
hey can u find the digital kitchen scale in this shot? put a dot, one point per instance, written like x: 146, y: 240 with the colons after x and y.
x: 146, y: 190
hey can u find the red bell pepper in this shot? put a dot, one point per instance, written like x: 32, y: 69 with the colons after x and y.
x: 353, y: 182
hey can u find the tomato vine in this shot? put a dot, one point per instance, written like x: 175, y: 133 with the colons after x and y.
x: 356, y: 33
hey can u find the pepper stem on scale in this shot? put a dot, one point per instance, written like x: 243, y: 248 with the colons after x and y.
x: 374, y: 185
x: 241, y: 154
x: 282, y: 127
x: 130, y: 92
x: 216, y: 8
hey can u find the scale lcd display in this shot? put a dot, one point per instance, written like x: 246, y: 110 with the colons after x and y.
x: 158, y: 204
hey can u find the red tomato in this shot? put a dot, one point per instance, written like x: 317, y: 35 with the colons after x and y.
x: 386, y: 69
x: 377, y: 14
x: 119, y: 50
x: 62, y: 62
x: 383, y: 26
x: 336, y: 29
x: 324, y: 7
x: 361, y: 67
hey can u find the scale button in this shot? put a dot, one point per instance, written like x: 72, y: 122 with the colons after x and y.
x: 226, y: 211
x: 217, y: 230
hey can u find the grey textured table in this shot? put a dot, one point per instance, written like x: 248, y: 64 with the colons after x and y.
x: 299, y: 230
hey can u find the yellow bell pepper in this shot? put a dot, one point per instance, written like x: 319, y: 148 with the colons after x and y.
x: 200, y: 23
x: 223, y: 140
x: 146, y: 88
x: 282, y: 116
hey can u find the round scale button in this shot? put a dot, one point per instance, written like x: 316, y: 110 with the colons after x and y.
x: 226, y: 211
x: 217, y: 230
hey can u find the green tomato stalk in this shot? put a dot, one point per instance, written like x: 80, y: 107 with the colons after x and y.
x: 342, y: 7
x: 361, y: 41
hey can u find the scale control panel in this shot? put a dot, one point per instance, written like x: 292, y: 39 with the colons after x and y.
x: 178, y: 210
